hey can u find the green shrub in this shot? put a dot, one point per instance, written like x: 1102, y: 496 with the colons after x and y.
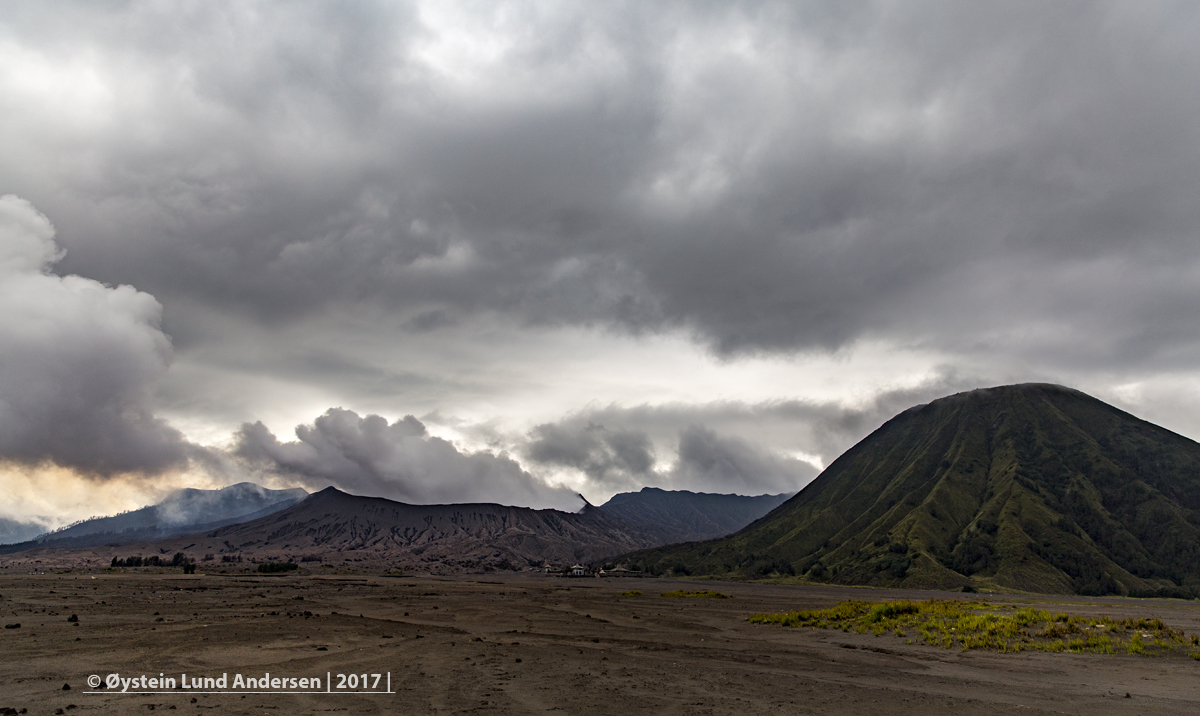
x: 680, y: 567
x: 891, y: 609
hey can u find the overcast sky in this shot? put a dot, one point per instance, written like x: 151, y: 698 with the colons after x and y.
x: 514, y: 251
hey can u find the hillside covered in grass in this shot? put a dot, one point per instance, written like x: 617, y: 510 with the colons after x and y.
x: 1030, y: 487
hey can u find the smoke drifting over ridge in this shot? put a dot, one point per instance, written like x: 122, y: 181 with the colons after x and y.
x: 401, y: 461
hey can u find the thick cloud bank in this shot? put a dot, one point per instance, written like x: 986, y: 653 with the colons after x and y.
x: 426, y: 204
x: 1016, y: 177
x: 369, y: 456
x: 78, y: 360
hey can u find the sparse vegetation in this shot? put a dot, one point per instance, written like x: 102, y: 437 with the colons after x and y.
x: 696, y: 594
x: 276, y: 567
x: 152, y: 561
x: 1004, y: 627
x: 631, y: 593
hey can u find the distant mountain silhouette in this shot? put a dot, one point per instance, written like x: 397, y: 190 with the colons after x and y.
x: 186, y: 510
x: 476, y: 536
x: 331, y: 525
x: 683, y: 516
x: 1030, y: 487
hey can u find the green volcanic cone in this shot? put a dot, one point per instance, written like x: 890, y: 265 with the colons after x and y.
x: 1028, y: 487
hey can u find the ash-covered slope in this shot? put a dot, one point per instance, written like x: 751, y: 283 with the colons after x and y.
x: 186, y: 510
x: 681, y: 516
x: 1029, y: 487
x: 467, y: 536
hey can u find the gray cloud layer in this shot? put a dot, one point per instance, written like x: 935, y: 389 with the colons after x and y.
x: 736, y: 465
x: 620, y: 458
x: 1010, y: 183
x: 772, y: 176
x: 624, y: 460
x: 78, y: 361
x: 722, y: 446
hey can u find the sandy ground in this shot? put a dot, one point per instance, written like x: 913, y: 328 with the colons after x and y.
x: 537, y: 644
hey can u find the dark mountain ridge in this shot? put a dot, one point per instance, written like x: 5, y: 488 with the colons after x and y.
x: 334, y: 526
x: 465, y: 536
x: 680, y: 516
x: 1029, y: 487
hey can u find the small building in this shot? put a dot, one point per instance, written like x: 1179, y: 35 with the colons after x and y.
x: 621, y: 571
x: 578, y: 570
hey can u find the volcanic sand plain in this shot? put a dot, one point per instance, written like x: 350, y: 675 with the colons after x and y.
x: 536, y: 644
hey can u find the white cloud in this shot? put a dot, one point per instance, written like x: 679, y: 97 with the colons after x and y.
x: 398, y: 460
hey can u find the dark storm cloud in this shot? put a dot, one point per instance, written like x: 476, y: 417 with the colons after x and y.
x: 400, y: 460
x: 78, y: 362
x: 1011, y: 176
